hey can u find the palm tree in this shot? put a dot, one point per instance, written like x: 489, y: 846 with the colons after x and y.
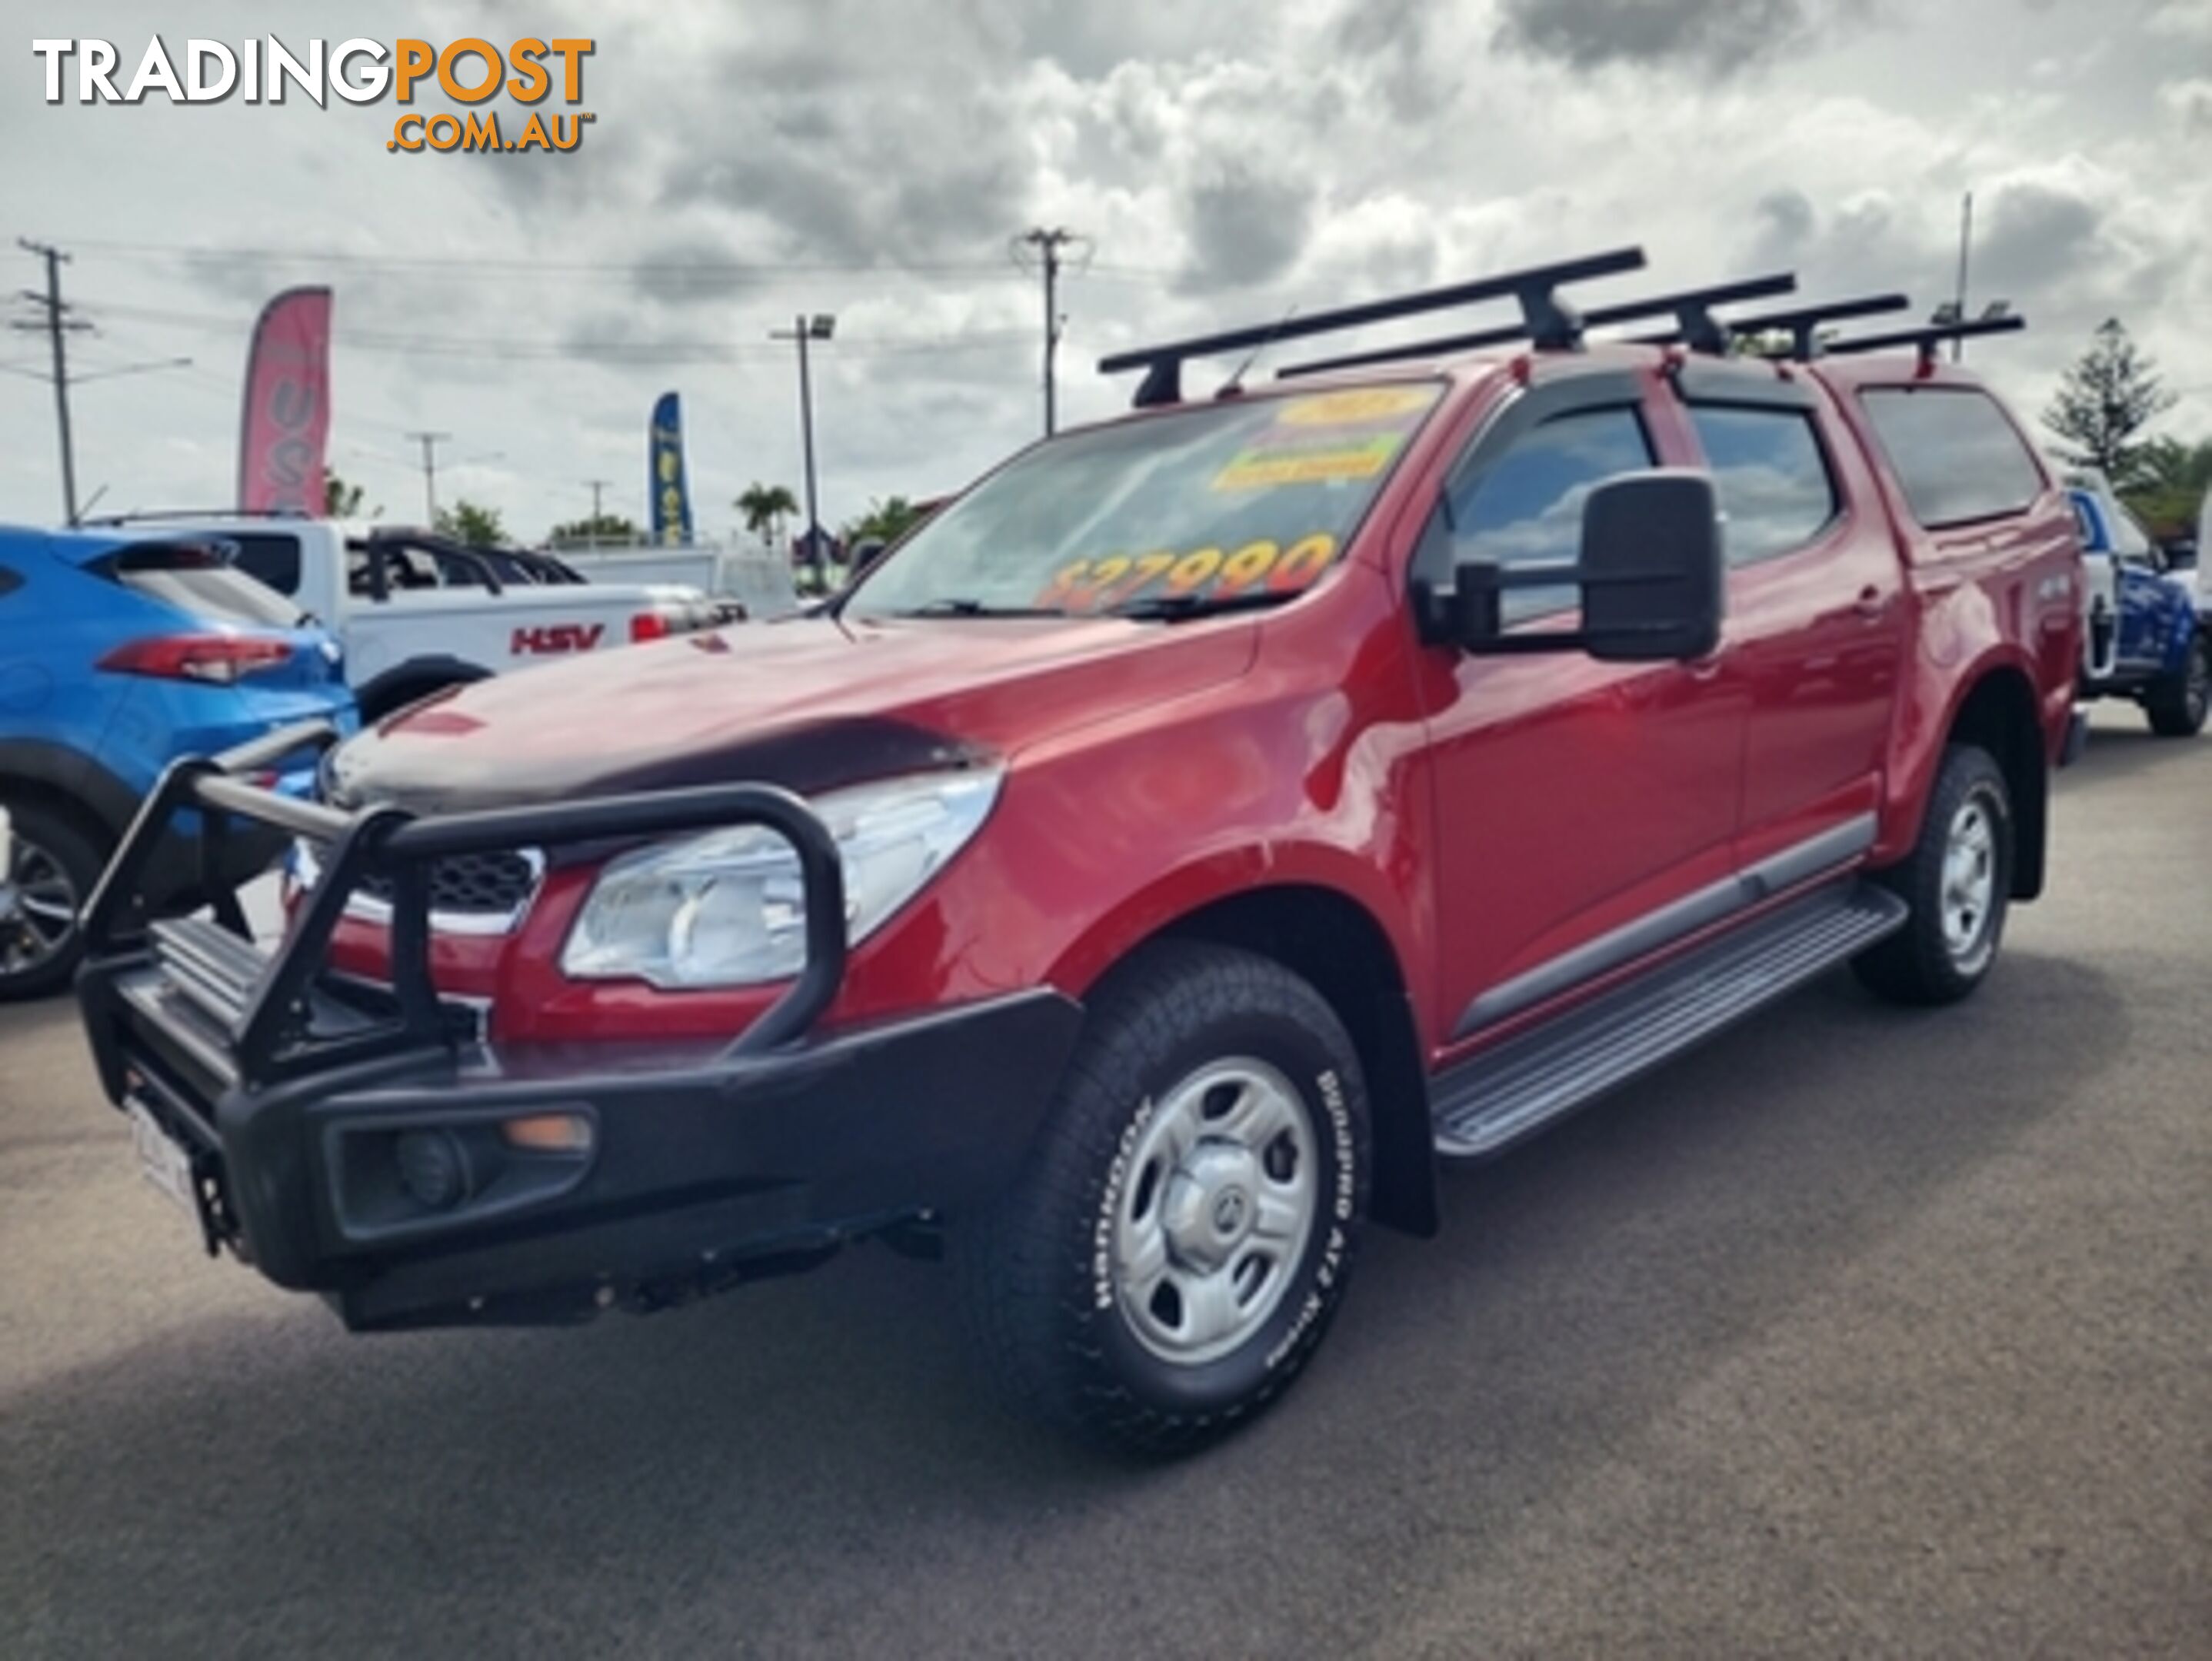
x: 764, y: 506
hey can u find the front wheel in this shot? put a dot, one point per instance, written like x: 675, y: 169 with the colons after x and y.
x: 1180, y: 1235
x: 2177, y: 703
x: 1957, y: 882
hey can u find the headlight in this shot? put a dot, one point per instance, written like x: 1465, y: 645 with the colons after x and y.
x: 729, y: 909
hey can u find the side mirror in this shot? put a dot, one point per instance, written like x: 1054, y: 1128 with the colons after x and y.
x: 1651, y: 576
x: 2181, y: 555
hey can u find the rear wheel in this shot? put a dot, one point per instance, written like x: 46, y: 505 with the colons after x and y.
x: 1958, y: 883
x: 52, y: 864
x: 1175, y: 1247
x: 2177, y: 703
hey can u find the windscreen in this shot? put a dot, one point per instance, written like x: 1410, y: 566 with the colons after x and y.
x: 1238, y: 501
x: 199, y: 579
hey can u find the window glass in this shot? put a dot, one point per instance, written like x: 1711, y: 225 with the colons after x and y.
x: 200, y: 582
x: 1526, y: 508
x: 1238, y: 499
x: 269, y: 559
x: 1956, y: 455
x: 10, y: 580
x: 1772, y: 477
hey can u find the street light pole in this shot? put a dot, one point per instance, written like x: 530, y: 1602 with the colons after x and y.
x: 806, y: 445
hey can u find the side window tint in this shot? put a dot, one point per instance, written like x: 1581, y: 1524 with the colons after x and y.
x: 1772, y: 477
x: 1526, y: 507
x: 269, y: 559
x: 1958, y: 457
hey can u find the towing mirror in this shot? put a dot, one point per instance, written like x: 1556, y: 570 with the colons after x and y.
x: 1650, y: 578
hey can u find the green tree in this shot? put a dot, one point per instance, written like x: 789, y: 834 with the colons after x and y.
x: 2110, y: 395
x: 606, y: 528
x: 886, y: 521
x: 2171, y: 482
x: 765, y: 507
x: 341, y: 500
x: 467, y: 522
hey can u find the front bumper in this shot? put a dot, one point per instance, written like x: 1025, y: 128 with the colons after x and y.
x: 361, y: 1142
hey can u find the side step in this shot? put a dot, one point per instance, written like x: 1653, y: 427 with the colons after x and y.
x: 1496, y: 1098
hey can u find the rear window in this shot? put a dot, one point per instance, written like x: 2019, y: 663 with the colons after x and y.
x: 1772, y: 477
x: 200, y: 582
x: 1958, y: 457
x: 268, y: 558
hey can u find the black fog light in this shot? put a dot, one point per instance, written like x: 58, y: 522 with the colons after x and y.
x: 434, y: 1167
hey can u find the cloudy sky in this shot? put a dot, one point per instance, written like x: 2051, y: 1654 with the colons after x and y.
x: 873, y: 158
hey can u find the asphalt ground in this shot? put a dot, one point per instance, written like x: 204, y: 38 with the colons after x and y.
x: 1860, y: 1332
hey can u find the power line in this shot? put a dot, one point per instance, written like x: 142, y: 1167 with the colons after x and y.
x: 516, y: 348
x: 493, y: 265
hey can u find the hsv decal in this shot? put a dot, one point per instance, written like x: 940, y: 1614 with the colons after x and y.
x: 549, y: 639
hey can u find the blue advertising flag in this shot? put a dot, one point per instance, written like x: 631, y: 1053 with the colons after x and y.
x: 667, y: 487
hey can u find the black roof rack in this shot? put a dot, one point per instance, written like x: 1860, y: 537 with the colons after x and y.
x: 1803, y: 323
x: 1926, y: 340
x: 1549, y: 321
x: 1692, y: 310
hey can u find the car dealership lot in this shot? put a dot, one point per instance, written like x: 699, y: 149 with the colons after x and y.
x: 1859, y: 1331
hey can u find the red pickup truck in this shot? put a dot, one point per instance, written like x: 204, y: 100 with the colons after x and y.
x: 1157, y: 866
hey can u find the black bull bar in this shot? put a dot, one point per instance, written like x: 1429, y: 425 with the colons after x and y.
x: 264, y: 1019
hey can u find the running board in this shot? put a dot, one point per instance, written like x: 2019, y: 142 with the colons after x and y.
x: 1503, y: 1094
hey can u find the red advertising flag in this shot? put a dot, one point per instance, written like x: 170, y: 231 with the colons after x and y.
x: 288, y: 405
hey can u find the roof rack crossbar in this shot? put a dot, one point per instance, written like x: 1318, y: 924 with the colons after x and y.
x: 1692, y: 310
x: 1803, y: 323
x: 1926, y: 340
x: 1549, y: 320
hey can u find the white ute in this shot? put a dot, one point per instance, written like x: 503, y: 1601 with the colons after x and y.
x: 417, y: 612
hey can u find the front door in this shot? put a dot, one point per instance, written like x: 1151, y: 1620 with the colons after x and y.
x: 1583, y: 810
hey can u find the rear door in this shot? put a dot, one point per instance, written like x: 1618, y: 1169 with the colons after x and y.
x: 1584, y: 810
x: 1816, y: 615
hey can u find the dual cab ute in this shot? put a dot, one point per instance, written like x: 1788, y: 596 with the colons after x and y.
x: 1155, y: 867
x: 417, y: 612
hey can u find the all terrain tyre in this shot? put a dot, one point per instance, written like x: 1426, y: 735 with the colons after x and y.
x: 1172, y: 1252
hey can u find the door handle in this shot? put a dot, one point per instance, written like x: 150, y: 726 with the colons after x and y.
x: 1870, y: 603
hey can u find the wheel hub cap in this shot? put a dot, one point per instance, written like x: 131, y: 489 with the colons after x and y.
x: 1214, y: 1210
x: 1970, y: 874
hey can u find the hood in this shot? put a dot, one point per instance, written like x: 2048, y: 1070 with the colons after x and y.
x: 808, y: 703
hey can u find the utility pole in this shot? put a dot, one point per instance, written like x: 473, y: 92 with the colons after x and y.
x: 430, y: 441
x: 1048, y: 243
x: 597, y: 486
x: 1965, y: 257
x: 57, y: 324
x: 820, y: 326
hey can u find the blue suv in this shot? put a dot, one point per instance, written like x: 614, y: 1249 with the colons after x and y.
x: 119, y: 653
x: 2145, y: 638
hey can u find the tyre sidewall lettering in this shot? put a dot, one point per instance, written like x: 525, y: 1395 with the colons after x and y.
x: 1325, y: 1097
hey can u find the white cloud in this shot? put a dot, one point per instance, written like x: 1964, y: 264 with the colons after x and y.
x: 1224, y: 161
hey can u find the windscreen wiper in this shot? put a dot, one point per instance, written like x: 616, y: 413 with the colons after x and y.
x: 959, y: 606
x: 1175, y: 608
